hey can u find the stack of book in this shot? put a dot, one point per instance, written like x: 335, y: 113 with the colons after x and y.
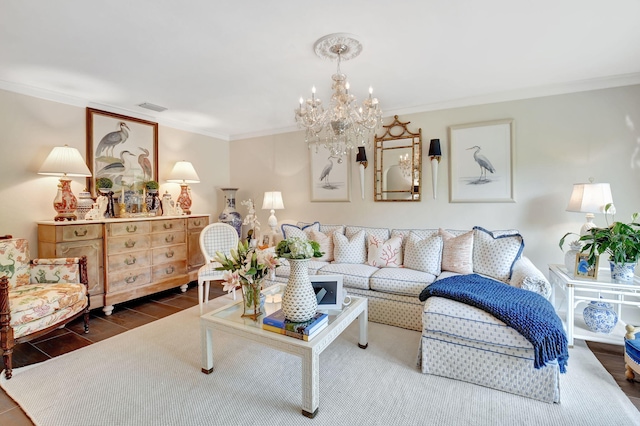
x: 277, y: 323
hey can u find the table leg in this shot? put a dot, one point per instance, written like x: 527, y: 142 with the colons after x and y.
x: 570, y: 315
x: 206, y: 343
x: 310, y: 383
x: 363, y: 323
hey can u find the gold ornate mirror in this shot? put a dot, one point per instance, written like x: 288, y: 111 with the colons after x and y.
x: 398, y: 163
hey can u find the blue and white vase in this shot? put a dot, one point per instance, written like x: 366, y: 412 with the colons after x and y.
x: 622, y: 271
x: 230, y: 215
x: 600, y: 317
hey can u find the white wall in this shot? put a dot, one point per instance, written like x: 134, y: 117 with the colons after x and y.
x: 31, y: 127
x: 560, y: 140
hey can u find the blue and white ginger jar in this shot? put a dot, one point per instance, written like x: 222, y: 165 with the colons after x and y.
x: 600, y: 317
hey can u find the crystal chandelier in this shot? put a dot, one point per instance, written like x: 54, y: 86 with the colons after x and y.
x: 343, y: 125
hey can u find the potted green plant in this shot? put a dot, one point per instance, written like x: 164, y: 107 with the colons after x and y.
x: 104, y: 183
x: 152, y: 185
x: 621, y: 241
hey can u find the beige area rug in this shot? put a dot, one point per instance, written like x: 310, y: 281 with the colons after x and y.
x: 151, y: 376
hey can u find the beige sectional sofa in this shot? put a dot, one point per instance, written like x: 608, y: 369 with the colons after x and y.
x: 392, y: 266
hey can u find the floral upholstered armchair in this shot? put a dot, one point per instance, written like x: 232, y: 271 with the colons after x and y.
x: 38, y: 295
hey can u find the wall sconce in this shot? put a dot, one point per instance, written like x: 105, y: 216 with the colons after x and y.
x: 590, y: 198
x: 361, y: 158
x: 64, y: 161
x: 273, y: 201
x: 184, y: 174
x: 435, y: 153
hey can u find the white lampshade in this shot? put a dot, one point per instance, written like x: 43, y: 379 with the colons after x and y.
x: 64, y: 161
x: 183, y: 172
x: 590, y: 197
x: 272, y: 201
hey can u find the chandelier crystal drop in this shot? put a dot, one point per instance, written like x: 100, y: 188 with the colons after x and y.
x: 344, y: 125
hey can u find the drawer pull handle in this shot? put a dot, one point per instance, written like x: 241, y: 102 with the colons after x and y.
x: 169, y: 254
x: 130, y: 260
x: 196, y: 222
x: 78, y: 234
x: 169, y: 238
x: 132, y: 229
x: 130, y: 280
x: 168, y: 225
x: 170, y: 270
x: 129, y: 244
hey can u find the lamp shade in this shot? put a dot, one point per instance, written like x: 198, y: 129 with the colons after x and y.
x: 434, y: 148
x: 272, y: 201
x: 590, y: 197
x: 64, y: 161
x: 183, y: 172
x: 362, y: 154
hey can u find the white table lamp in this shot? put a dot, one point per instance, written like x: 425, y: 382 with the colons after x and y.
x: 590, y: 198
x: 65, y: 161
x: 273, y: 201
x: 184, y: 174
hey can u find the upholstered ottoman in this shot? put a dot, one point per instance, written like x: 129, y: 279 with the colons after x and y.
x: 465, y: 343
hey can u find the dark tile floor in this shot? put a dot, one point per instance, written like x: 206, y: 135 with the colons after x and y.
x: 142, y: 311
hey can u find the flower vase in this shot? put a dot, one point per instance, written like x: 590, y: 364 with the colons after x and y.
x: 600, y: 317
x: 299, y: 302
x: 252, y: 300
x: 153, y: 202
x: 230, y: 215
x: 622, y: 271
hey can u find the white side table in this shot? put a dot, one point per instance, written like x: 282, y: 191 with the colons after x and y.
x: 579, y: 290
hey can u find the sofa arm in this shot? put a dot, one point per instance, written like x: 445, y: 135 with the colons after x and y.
x: 525, y: 275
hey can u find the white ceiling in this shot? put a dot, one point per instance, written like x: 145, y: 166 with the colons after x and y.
x: 236, y: 68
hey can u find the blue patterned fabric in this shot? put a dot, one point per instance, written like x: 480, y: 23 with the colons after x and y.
x: 528, y: 313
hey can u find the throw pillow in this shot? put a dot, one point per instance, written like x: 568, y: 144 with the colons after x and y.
x: 326, y: 244
x: 457, y: 252
x: 423, y: 254
x: 289, y: 230
x: 494, y: 253
x: 349, y: 250
x: 384, y: 254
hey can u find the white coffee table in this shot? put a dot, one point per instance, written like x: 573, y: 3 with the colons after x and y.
x: 229, y: 319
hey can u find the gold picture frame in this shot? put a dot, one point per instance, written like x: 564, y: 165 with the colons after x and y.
x: 583, y: 269
x: 124, y: 149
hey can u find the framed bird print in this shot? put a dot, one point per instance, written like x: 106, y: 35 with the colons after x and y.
x: 329, y: 175
x: 123, y: 149
x: 481, y: 162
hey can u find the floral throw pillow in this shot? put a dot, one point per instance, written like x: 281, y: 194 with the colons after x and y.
x: 423, y: 254
x: 326, y: 244
x: 457, y: 252
x: 349, y: 250
x: 384, y: 254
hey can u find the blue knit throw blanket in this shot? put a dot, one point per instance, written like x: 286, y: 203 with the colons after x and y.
x: 527, y: 312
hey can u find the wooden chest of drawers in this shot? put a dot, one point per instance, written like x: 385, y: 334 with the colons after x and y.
x: 129, y: 258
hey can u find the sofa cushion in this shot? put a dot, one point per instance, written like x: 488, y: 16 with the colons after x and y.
x: 324, y: 228
x: 384, y: 254
x: 289, y: 230
x: 404, y: 281
x: 457, y: 252
x: 30, y: 302
x: 381, y: 233
x: 404, y: 233
x: 349, y: 249
x: 494, y: 253
x: 525, y: 275
x: 353, y: 275
x: 423, y: 254
x: 326, y: 244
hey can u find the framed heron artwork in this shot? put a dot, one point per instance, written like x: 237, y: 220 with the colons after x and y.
x: 123, y: 149
x: 481, y: 162
x: 329, y: 175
